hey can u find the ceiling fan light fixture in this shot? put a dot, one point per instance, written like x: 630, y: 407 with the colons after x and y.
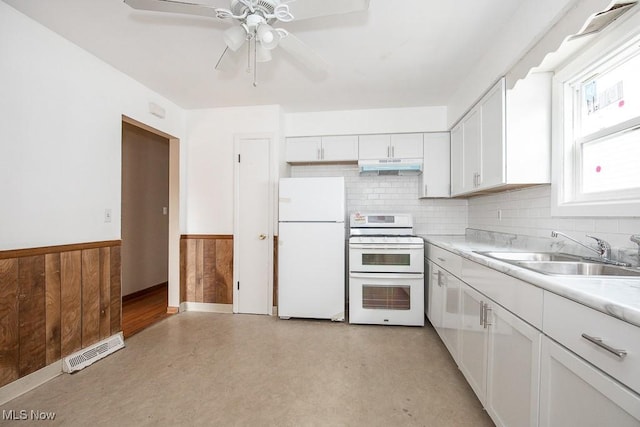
x: 235, y: 37
x: 262, y: 54
x: 268, y: 36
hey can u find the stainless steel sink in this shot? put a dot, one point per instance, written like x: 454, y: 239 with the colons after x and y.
x: 575, y: 268
x: 531, y: 256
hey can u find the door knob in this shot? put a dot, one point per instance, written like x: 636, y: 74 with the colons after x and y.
x: 262, y: 236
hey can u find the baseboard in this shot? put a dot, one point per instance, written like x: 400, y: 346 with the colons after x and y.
x: 173, y: 310
x: 29, y: 382
x: 206, y: 307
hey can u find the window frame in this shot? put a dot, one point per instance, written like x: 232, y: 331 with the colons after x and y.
x: 567, y: 200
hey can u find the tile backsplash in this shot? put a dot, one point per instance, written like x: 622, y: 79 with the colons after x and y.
x: 524, y: 212
x: 394, y: 194
x: 528, y: 212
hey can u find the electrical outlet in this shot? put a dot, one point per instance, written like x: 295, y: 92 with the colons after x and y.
x: 107, y: 215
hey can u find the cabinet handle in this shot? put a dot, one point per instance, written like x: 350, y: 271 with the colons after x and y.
x: 481, y: 312
x: 439, y: 278
x: 598, y: 341
x: 388, y: 151
x: 425, y: 189
x: 393, y: 151
x: 322, y: 152
x: 440, y: 259
x: 487, y: 309
x: 318, y: 154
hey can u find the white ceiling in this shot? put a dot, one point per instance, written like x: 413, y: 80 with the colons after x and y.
x: 397, y: 54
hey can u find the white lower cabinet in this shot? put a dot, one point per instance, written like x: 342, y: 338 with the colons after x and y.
x: 566, y: 365
x: 473, y: 340
x: 443, y: 306
x: 500, y: 358
x: 575, y: 393
x: 512, y: 369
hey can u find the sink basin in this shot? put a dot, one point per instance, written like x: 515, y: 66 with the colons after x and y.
x: 577, y: 268
x: 531, y: 256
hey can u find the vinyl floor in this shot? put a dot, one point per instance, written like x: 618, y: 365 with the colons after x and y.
x: 206, y: 369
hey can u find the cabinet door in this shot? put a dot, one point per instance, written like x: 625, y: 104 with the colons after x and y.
x: 444, y: 307
x: 513, y: 367
x: 473, y: 341
x: 372, y: 147
x: 457, y: 161
x: 574, y: 393
x: 303, y: 149
x: 436, y: 176
x: 407, y: 146
x: 339, y: 148
x: 471, y: 150
x: 492, y: 114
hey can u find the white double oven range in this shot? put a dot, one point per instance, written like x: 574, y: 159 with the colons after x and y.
x: 386, y: 270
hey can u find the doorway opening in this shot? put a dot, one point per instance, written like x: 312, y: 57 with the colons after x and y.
x: 146, y: 226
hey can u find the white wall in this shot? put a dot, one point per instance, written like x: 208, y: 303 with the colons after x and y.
x: 528, y: 212
x: 208, y: 198
x: 60, y: 149
x: 388, y: 120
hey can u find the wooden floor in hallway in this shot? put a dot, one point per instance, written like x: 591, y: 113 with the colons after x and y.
x: 142, y: 309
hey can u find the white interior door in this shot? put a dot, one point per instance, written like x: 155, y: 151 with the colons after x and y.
x: 253, y: 228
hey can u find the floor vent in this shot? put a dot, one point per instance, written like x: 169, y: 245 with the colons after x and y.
x: 85, y: 357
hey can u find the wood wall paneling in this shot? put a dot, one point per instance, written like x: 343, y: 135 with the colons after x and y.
x: 206, y: 268
x: 52, y: 308
x: 105, y: 293
x: 55, y: 301
x: 9, y: 330
x: 31, y: 312
x: 224, y: 271
x: 71, y: 301
x: 115, y: 315
x: 199, y: 291
x: 209, y: 262
x: 90, y: 296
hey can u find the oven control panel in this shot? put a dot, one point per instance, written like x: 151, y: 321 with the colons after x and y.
x: 380, y: 220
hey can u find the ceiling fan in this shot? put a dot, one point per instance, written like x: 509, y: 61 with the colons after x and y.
x: 254, y: 20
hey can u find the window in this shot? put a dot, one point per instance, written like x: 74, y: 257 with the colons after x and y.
x: 596, y: 137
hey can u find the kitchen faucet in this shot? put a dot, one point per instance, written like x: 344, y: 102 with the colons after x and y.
x: 604, y: 249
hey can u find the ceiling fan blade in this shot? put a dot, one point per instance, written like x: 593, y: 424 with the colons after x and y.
x: 302, y: 53
x: 173, y: 7
x: 307, y: 9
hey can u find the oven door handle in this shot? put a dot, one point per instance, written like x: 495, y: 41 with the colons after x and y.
x: 400, y: 246
x: 400, y: 276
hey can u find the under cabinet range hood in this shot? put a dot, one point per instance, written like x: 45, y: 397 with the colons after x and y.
x: 390, y: 167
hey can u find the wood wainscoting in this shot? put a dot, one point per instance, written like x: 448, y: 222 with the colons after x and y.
x: 206, y: 268
x: 54, y: 301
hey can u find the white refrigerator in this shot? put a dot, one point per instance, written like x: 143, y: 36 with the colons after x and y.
x: 311, y: 248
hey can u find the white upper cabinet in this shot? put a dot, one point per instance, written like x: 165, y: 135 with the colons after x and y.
x: 505, y: 139
x: 393, y: 146
x: 456, y: 156
x: 322, y: 149
x: 435, y: 180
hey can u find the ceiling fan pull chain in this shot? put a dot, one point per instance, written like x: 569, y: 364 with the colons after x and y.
x: 255, y: 65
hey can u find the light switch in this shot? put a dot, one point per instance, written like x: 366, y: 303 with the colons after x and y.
x: 165, y: 210
x: 107, y: 215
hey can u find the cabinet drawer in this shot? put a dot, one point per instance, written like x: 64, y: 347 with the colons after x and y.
x: 521, y: 298
x: 445, y: 259
x: 566, y: 321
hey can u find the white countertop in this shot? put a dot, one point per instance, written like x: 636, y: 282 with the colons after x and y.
x: 618, y: 297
